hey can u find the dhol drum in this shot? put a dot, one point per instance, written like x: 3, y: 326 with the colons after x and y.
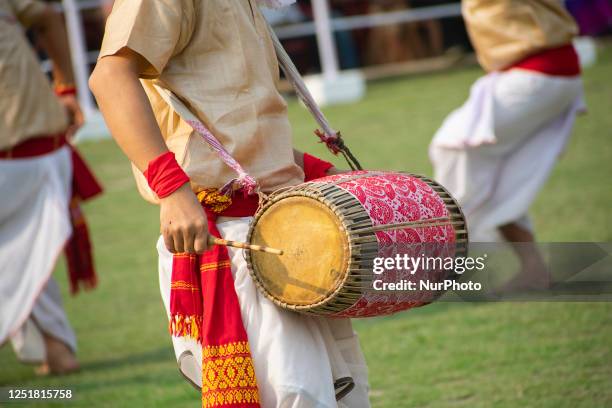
x: 334, y: 231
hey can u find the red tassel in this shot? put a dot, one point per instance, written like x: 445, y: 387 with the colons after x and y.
x: 78, y: 250
x: 79, y: 254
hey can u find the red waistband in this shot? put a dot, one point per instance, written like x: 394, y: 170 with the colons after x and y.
x: 37, y: 146
x: 560, y: 61
x: 241, y: 206
x: 246, y: 206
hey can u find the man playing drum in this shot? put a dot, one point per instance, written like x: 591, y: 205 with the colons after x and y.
x: 42, y: 180
x: 216, y: 59
x: 495, y: 153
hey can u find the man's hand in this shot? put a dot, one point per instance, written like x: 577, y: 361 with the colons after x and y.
x: 52, y: 38
x: 129, y: 116
x: 75, y: 115
x: 183, y: 222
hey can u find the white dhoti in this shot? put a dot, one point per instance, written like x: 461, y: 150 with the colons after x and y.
x: 495, y: 152
x: 48, y: 316
x: 34, y: 228
x: 297, y: 358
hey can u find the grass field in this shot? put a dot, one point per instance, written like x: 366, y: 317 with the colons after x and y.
x: 444, y: 355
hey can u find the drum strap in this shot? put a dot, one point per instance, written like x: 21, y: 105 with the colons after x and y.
x: 329, y: 136
x: 244, y: 181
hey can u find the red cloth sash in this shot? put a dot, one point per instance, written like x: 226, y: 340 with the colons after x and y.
x: 78, y: 250
x: 560, y: 61
x: 204, y: 306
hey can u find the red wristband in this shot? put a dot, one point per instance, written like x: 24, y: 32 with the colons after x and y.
x: 164, y: 175
x: 65, y: 90
x: 315, y: 168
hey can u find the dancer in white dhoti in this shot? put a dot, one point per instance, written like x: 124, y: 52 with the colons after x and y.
x: 495, y: 152
x: 215, y: 60
x: 39, y: 188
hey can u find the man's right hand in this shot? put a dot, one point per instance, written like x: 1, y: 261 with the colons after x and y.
x: 183, y: 222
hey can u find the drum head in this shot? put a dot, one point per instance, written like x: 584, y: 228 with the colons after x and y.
x: 316, y: 251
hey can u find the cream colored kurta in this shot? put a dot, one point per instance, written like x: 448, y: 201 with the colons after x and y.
x: 506, y: 31
x: 28, y: 106
x: 217, y: 56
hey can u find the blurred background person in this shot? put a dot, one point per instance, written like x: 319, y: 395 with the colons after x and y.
x: 403, y: 41
x: 430, y: 31
x: 370, y: 46
x: 393, y: 42
x: 496, y: 152
x: 42, y: 181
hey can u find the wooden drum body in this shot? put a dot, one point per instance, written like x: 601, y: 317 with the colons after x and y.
x: 332, y: 229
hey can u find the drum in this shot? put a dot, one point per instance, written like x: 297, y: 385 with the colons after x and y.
x: 334, y: 231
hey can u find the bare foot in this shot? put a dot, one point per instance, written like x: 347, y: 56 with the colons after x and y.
x: 60, y: 359
x: 534, y: 276
x: 42, y: 370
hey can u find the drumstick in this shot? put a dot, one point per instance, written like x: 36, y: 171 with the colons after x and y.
x: 218, y: 241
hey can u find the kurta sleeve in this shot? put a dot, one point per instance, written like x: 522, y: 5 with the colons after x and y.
x: 154, y: 29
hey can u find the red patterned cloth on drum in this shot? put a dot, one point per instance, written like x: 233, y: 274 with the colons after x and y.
x: 204, y: 305
x: 391, y: 199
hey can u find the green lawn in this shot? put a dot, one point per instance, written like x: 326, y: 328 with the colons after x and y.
x: 444, y: 355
